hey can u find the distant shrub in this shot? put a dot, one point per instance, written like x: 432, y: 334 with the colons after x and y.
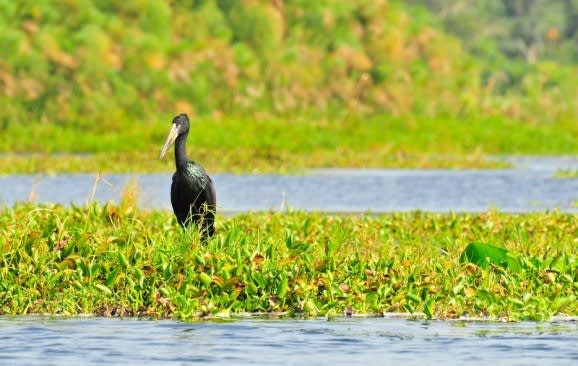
x: 81, y: 61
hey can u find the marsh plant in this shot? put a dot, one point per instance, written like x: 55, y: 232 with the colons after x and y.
x: 119, y: 260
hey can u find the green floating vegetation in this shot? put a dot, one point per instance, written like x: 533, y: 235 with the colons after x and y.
x: 483, y: 255
x: 567, y: 174
x: 275, y: 145
x: 119, y: 260
x: 241, y: 161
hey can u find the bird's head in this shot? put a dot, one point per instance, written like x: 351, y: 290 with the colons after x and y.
x: 179, y: 127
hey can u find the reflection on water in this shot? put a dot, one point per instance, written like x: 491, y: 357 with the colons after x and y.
x: 516, y: 190
x: 371, y: 341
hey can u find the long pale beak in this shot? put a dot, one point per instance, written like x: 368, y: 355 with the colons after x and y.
x: 170, y: 139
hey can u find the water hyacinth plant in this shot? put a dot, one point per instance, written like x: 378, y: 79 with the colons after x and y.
x: 119, y: 260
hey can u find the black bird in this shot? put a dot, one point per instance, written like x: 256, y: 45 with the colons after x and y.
x: 193, y: 193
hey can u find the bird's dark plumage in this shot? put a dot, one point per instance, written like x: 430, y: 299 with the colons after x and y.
x: 193, y: 194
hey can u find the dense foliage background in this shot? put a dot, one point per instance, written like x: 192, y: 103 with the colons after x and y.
x: 88, y: 61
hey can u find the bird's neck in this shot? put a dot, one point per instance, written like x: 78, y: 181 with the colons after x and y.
x: 181, y: 151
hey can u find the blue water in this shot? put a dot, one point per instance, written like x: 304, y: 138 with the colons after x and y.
x: 515, y: 190
x: 348, y: 341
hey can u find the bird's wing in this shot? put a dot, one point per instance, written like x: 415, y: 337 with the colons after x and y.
x: 179, y: 208
x: 211, y: 194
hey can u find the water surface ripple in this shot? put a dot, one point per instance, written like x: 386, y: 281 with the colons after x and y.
x: 330, y: 190
x: 372, y: 341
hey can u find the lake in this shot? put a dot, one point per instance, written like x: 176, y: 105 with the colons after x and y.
x: 531, y: 186
x: 344, y: 341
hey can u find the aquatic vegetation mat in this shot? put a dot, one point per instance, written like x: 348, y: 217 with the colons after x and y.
x: 119, y: 260
x: 283, y: 144
x: 567, y: 174
x: 240, y: 161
